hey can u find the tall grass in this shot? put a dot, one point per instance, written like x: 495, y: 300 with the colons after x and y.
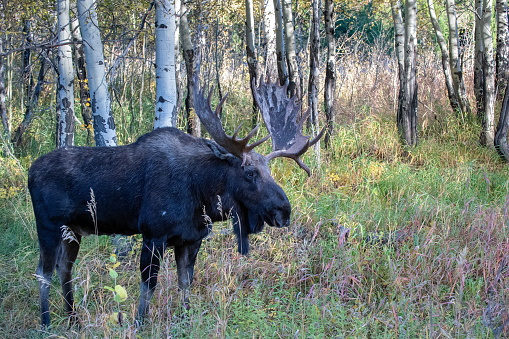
x: 446, y: 279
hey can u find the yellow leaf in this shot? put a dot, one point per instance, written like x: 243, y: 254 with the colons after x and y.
x: 121, y: 292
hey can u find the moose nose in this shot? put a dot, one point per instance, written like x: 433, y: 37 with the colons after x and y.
x: 281, y: 217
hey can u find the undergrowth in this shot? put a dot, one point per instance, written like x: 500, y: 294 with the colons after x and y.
x: 447, y: 279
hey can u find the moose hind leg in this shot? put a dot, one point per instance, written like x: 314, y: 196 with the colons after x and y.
x: 151, y: 254
x: 65, y: 260
x: 49, y: 245
x: 185, y: 256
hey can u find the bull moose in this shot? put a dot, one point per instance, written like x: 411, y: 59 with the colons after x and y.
x: 162, y: 186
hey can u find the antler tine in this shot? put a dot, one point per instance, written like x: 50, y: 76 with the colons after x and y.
x: 212, y: 122
x: 220, y: 105
x: 315, y: 140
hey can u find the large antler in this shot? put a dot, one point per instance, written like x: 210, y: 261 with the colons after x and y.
x: 280, y: 116
x: 212, y: 122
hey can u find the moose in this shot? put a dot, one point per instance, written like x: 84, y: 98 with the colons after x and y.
x: 166, y: 186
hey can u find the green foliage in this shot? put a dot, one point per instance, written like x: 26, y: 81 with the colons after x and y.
x: 363, y: 19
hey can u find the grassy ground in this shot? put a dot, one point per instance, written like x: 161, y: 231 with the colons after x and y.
x: 447, y: 279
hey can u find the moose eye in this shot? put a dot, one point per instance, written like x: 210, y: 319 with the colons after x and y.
x: 250, y: 174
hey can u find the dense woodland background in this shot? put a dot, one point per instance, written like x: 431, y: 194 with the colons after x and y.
x: 420, y: 181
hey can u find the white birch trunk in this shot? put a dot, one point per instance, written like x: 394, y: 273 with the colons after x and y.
x: 454, y: 60
x: 66, y: 75
x: 502, y: 60
x: 330, y: 71
x: 487, y: 133
x: 407, y: 107
x: 269, y: 20
x: 478, y: 62
x: 252, y: 63
x: 250, y: 42
x: 178, y: 57
x: 104, y: 124
x: 193, y: 121
x: 446, y: 67
x: 314, y: 71
x: 166, y: 90
x: 291, y: 55
x: 399, y: 45
x: 410, y: 111
x: 3, y: 108
x: 280, y: 47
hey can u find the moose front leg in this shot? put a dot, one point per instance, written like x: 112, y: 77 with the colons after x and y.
x: 185, y: 256
x: 151, y: 254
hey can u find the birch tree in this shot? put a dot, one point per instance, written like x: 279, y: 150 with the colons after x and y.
x: 478, y: 61
x: 66, y: 75
x: 487, y: 120
x: 294, y: 86
x: 280, y: 49
x: 406, y: 53
x: 503, y: 128
x: 455, y: 61
x: 269, y: 25
x: 104, y: 124
x: 330, y: 70
x: 446, y: 66
x: 166, y: 91
x: 501, y: 79
x: 314, y: 69
x: 502, y: 56
x: 81, y: 75
x: 252, y: 63
x: 193, y: 122
x: 178, y: 57
x: 3, y: 108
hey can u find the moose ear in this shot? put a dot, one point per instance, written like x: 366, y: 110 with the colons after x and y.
x: 219, y: 151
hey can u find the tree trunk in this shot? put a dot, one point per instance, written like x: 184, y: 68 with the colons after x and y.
x: 487, y: 132
x: 314, y: 66
x: 218, y: 63
x: 104, y: 124
x: 252, y: 63
x: 178, y: 57
x: 166, y: 91
x: 28, y: 79
x: 269, y: 20
x: 399, y: 46
x: 189, y: 56
x: 478, y: 62
x: 280, y: 48
x: 446, y: 67
x: 503, y: 128
x: 502, y: 59
x: 17, y: 136
x: 291, y: 55
x: 330, y: 71
x: 81, y: 74
x: 407, y: 108
x: 455, y: 61
x: 3, y: 108
x: 66, y: 75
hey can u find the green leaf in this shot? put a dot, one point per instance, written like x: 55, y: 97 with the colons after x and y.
x: 109, y: 288
x: 113, y: 273
x: 121, y: 292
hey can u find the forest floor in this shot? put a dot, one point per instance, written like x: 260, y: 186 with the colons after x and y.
x: 447, y: 278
